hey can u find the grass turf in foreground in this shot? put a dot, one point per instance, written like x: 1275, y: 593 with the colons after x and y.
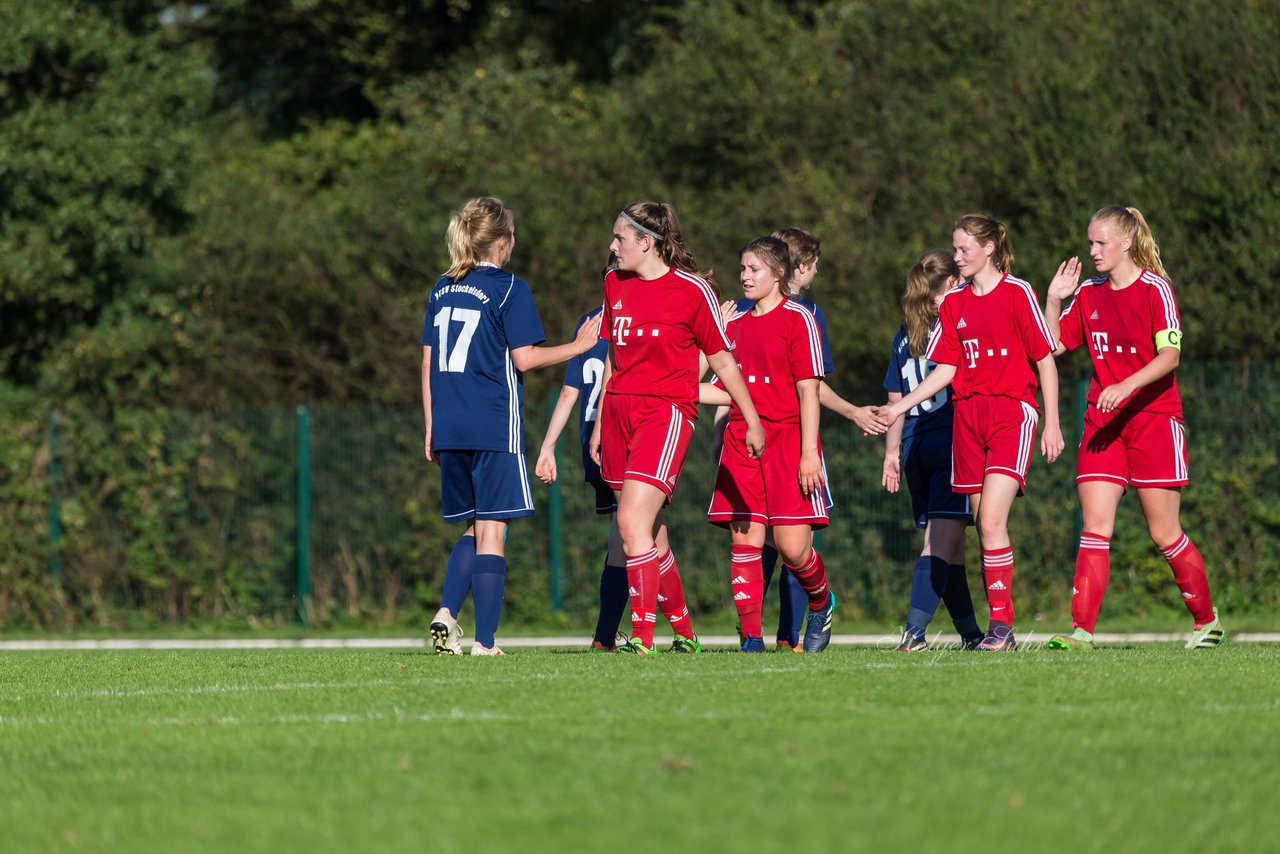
x: 1138, y: 749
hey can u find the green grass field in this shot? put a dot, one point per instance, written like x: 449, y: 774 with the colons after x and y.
x: 1125, y: 749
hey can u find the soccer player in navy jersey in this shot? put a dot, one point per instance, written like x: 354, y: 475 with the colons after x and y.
x: 583, y: 383
x: 990, y: 344
x: 779, y: 352
x: 917, y: 448
x: 481, y: 333
x: 804, y: 251
x: 1128, y: 318
x: 660, y: 314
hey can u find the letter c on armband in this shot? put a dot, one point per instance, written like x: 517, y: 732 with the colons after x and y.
x: 1169, y: 338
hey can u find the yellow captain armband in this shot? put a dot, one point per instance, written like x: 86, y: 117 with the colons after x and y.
x: 1169, y: 338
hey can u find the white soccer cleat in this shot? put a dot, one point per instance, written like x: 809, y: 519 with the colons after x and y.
x: 446, y: 637
x: 478, y: 648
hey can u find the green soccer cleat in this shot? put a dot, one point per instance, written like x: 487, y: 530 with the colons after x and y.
x: 634, y: 646
x: 686, y: 645
x: 1209, y: 636
x: 1078, y: 640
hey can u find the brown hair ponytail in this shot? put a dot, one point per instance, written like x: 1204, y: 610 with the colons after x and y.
x: 983, y: 228
x: 926, y: 280
x: 659, y: 218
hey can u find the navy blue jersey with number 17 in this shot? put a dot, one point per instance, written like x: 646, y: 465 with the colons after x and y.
x: 472, y: 325
x: 585, y: 372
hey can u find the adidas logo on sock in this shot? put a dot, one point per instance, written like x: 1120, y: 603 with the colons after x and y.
x: 961, y: 324
x: 617, y: 305
x: 1094, y: 316
x: 738, y: 579
x: 631, y: 591
x: 740, y: 595
x: 1074, y: 591
x: 1188, y: 596
x: 997, y: 585
x: 661, y: 598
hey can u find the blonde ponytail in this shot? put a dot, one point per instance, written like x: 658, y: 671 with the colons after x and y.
x: 927, y: 279
x: 1130, y: 223
x: 474, y: 232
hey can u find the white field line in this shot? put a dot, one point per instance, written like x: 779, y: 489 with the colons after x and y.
x: 562, y: 642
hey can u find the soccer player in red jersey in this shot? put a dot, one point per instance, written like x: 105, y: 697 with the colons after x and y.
x: 990, y: 343
x: 1133, y: 432
x: 659, y: 315
x: 779, y: 351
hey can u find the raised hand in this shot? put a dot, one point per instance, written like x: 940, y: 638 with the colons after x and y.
x: 1065, y: 282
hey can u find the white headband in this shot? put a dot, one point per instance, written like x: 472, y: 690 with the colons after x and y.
x: 638, y: 227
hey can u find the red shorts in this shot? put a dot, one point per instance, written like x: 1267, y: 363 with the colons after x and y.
x: 645, y: 439
x: 991, y: 435
x: 766, y: 490
x: 1139, y: 448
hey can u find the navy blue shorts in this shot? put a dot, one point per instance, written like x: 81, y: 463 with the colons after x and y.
x: 926, y: 467
x: 606, y: 501
x: 484, y: 485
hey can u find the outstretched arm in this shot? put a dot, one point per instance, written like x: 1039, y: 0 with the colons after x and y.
x: 535, y: 356
x: 863, y: 416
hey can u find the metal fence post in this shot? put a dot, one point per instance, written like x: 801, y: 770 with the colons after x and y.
x: 55, y: 512
x: 555, y: 530
x: 304, y: 513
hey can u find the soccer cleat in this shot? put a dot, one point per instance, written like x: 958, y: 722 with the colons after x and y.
x: 912, y: 642
x: 478, y: 648
x: 753, y: 644
x: 446, y: 637
x: 634, y: 646
x: 1209, y: 636
x: 684, y: 644
x: 1078, y: 640
x: 970, y: 643
x: 999, y: 639
x: 785, y: 646
x: 597, y: 646
x: 817, y: 627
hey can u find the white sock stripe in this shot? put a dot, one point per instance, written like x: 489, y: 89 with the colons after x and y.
x: 1177, y: 547
x: 668, y: 561
x: 652, y: 554
x: 1092, y: 542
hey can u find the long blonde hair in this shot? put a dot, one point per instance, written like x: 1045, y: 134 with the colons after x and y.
x: 927, y: 279
x: 1130, y: 223
x: 660, y: 218
x: 983, y: 228
x: 474, y: 231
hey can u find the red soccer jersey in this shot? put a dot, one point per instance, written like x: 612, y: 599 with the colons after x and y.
x: 656, y: 328
x: 1120, y: 325
x: 994, y: 340
x: 775, y: 351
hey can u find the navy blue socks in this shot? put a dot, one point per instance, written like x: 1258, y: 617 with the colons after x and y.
x: 457, y: 574
x: 960, y: 602
x: 928, y: 584
x: 488, y: 580
x: 613, y: 602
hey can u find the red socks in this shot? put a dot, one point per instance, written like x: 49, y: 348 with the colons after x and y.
x: 1093, y: 572
x: 1188, y: 572
x: 746, y: 581
x: 997, y: 577
x: 642, y: 581
x: 671, y: 595
x: 813, y: 578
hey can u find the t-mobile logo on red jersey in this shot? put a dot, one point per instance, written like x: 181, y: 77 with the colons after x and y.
x: 1099, y: 343
x: 621, y: 329
x: 970, y: 350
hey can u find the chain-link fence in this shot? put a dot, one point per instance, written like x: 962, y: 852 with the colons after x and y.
x: 171, y: 518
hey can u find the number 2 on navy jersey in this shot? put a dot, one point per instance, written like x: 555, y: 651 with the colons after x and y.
x: 914, y: 371
x: 456, y: 362
x: 592, y: 373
